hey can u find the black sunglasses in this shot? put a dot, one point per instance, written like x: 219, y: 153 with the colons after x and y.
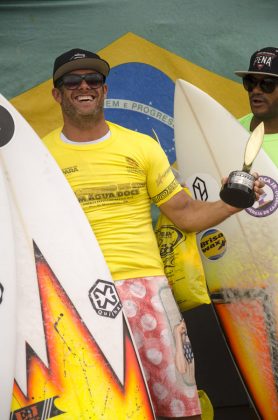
x: 267, y: 85
x: 73, y: 81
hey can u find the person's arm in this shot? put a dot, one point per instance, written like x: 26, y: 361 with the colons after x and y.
x: 194, y: 215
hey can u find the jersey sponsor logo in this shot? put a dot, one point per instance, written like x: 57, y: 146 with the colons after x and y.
x: 169, y: 237
x: 268, y: 202
x: 105, y: 299
x: 133, y: 166
x: 167, y: 191
x: 160, y: 177
x: 132, y: 162
x: 70, y: 170
x: 108, y: 194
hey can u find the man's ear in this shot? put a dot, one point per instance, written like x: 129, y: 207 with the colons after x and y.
x: 105, y: 90
x: 56, y: 93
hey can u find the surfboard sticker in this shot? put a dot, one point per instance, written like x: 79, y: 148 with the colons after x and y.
x: 203, y: 186
x: 213, y: 244
x: 268, y: 202
x: 6, y: 125
x: 75, y: 356
x: 243, y: 280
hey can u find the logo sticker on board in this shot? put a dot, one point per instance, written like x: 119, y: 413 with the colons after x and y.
x: 213, y: 244
x: 203, y: 186
x: 169, y: 237
x: 40, y: 410
x: 105, y: 299
x: 140, y: 97
x: 7, y: 126
x: 200, y: 189
x: 268, y: 202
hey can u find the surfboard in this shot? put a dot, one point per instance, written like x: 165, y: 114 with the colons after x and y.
x: 239, y: 255
x: 7, y: 301
x: 75, y: 357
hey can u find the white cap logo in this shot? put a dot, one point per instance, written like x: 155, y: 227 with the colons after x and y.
x: 77, y: 56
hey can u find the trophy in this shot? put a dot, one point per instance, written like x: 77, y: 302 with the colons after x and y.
x: 238, y: 191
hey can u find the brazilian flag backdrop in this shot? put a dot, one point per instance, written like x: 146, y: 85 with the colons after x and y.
x: 148, y: 43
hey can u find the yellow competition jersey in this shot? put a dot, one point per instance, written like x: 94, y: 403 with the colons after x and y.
x: 115, y: 181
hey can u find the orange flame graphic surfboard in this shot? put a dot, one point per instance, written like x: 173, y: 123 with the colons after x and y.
x: 74, y: 354
x: 79, y: 383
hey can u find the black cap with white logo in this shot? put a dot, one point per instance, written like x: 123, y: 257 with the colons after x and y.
x: 78, y: 59
x: 263, y: 61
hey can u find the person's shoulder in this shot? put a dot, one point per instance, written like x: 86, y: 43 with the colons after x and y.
x: 127, y: 132
x: 245, y: 121
x: 246, y: 118
x: 52, y: 134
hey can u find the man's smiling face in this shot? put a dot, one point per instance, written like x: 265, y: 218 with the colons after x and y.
x: 82, y: 103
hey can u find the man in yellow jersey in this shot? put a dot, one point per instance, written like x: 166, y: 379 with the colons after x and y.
x: 261, y: 83
x: 116, y: 173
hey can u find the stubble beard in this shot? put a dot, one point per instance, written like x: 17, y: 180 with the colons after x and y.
x: 82, y: 120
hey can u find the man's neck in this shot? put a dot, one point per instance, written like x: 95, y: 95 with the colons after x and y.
x: 87, y: 133
x: 270, y: 125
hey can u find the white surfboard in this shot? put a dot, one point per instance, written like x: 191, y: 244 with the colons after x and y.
x: 7, y: 301
x: 60, y: 265
x: 239, y: 255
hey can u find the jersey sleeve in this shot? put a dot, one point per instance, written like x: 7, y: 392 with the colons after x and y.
x: 161, y: 182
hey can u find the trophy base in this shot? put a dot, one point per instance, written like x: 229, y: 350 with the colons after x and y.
x: 238, y: 191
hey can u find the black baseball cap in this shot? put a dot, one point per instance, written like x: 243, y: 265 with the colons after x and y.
x: 264, y: 61
x: 77, y: 59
